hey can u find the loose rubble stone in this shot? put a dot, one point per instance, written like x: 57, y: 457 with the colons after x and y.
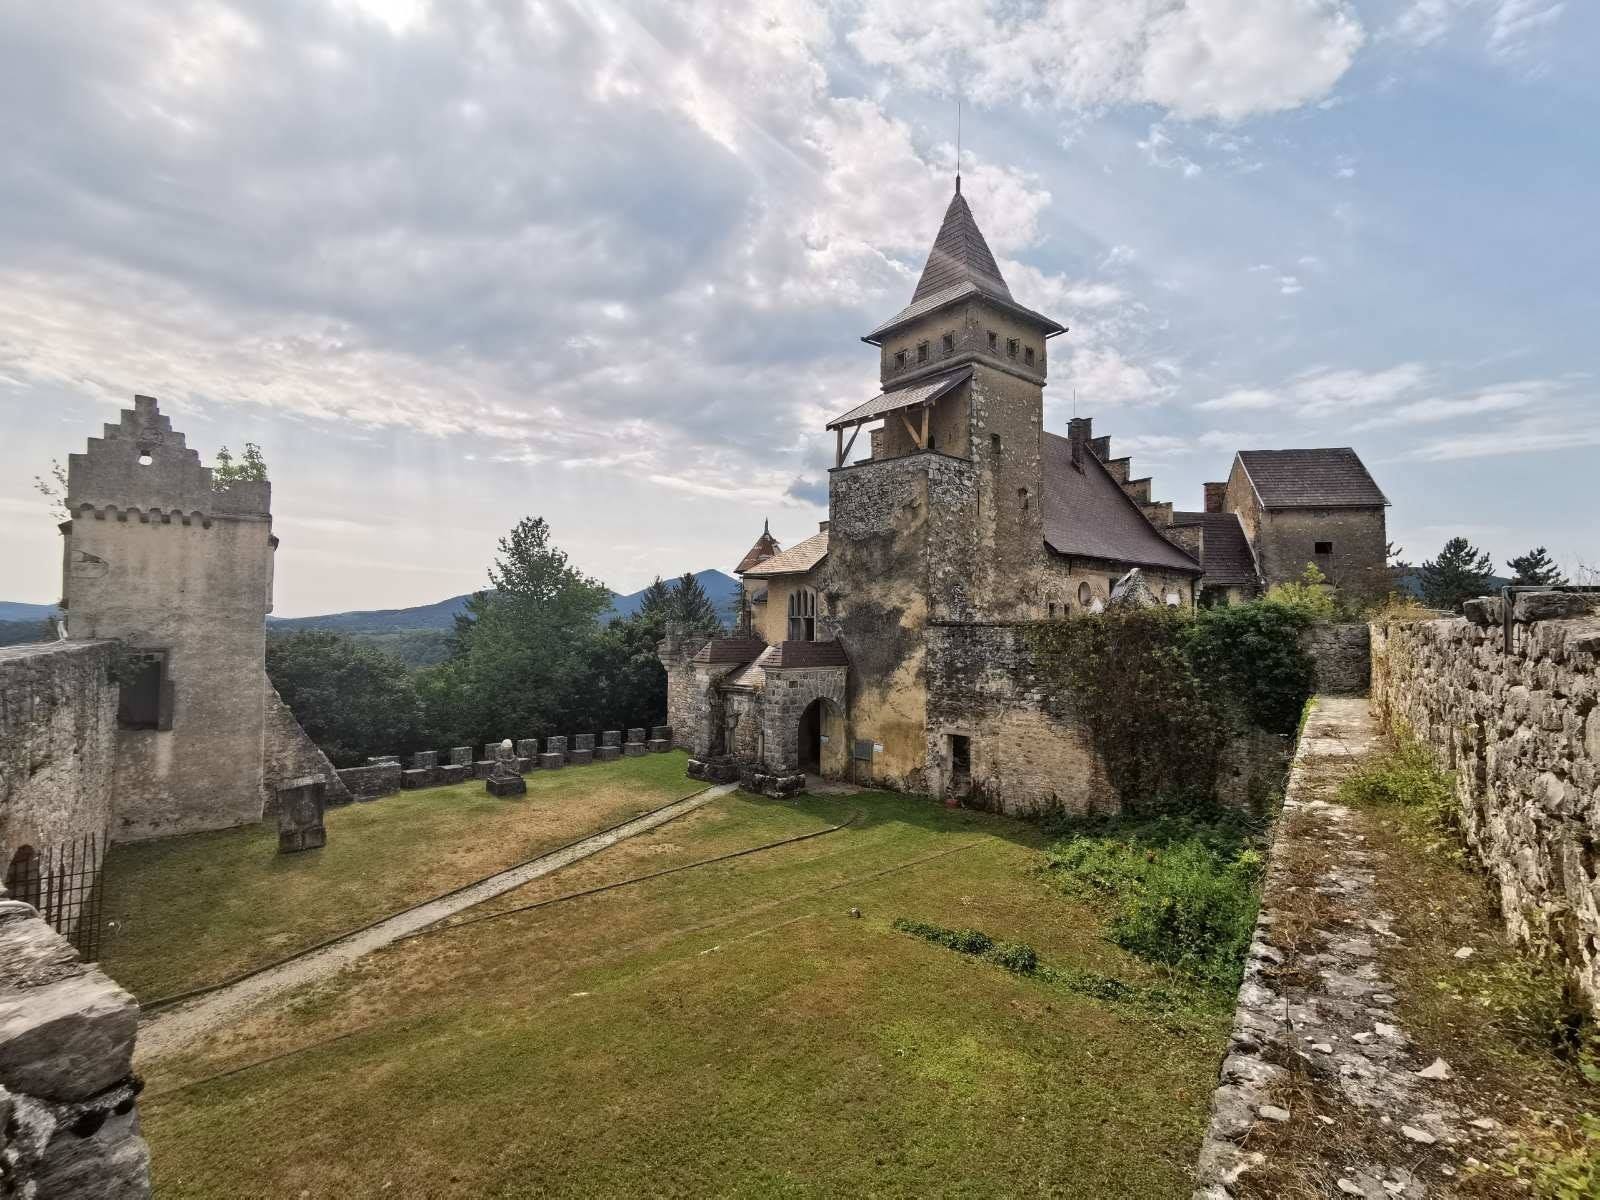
x: 1417, y: 1135
x: 1272, y: 1112
x: 1437, y: 1069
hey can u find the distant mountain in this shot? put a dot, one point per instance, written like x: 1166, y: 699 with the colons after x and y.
x: 721, y: 587
x: 1411, y: 583
x: 12, y: 611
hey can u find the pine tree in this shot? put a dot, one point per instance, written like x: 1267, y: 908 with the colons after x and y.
x: 1461, y: 572
x: 1536, y: 568
x: 657, y: 599
x: 691, y: 608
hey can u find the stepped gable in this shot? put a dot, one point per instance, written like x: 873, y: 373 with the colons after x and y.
x: 1331, y: 477
x: 142, y: 463
x: 1090, y: 514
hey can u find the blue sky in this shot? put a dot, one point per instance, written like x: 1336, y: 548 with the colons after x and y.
x: 608, y: 264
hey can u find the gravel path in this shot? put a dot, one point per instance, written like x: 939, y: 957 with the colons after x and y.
x: 177, y: 1028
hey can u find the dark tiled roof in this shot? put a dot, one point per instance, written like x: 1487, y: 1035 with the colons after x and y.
x: 1087, y: 515
x: 730, y: 650
x: 804, y: 654
x: 887, y: 402
x: 796, y: 560
x: 1329, y: 478
x: 766, y: 546
x: 959, y: 265
x: 1224, y: 551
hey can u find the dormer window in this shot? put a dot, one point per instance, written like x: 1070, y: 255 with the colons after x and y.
x: 899, y: 359
x: 1027, y: 355
x: 922, y: 351
x: 948, y: 343
x: 1011, y: 347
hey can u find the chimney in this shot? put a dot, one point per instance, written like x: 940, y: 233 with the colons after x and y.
x: 1214, y: 494
x: 1080, y: 431
x: 822, y: 527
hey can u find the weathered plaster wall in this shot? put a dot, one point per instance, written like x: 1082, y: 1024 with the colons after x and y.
x: 1342, y: 654
x: 58, y: 719
x: 1521, y: 732
x: 1287, y: 542
x: 68, y: 1124
x: 160, y: 558
x: 1028, y: 755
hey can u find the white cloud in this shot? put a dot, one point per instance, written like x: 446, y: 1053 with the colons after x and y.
x: 1324, y: 391
x: 1507, y: 26
x: 1224, y: 59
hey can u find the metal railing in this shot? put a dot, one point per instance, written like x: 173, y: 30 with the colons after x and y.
x: 63, y: 883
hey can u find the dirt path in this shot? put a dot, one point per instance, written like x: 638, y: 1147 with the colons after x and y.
x: 176, y: 1028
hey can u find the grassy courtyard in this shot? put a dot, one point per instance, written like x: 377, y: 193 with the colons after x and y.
x: 197, y: 910
x: 730, y: 1030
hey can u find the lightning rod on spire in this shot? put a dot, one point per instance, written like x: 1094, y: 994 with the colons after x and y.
x: 958, y: 145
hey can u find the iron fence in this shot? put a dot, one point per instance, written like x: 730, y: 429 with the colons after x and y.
x: 63, y: 883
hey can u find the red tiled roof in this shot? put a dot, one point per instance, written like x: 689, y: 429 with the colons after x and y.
x: 730, y: 650
x: 796, y: 560
x: 1087, y: 514
x: 766, y: 546
x: 804, y: 654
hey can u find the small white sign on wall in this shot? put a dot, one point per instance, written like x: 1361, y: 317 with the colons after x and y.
x: 877, y: 747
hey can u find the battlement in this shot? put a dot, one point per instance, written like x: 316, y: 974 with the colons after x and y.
x: 142, y: 465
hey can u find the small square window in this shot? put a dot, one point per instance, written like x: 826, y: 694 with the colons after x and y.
x: 1324, y: 547
x: 922, y: 351
x: 994, y: 443
x: 948, y: 343
x: 994, y: 340
x: 899, y: 358
x: 1011, y: 347
x: 1052, y: 610
x: 1027, y: 355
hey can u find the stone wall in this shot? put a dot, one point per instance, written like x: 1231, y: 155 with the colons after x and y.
x: 370, y: 782
x: 58, y: 724
x: 1521, y: 732
x: 68, y: 1124
x: 288, y: 753
x: 1343, y: 658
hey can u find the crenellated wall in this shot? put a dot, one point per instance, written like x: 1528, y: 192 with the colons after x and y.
x: 1521, y: 732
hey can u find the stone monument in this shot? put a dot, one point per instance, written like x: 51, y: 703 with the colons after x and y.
x: 300, y: 807
x: 503, y: 779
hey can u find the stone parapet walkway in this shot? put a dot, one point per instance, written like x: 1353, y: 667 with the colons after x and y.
x: 1318, y: 1068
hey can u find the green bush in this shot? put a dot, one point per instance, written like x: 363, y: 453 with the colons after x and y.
x: 1251, y: 653
x: 1016, y: 957
x: 1406, y: 775
x: 1557, y: 1162
x: 1180, y: 895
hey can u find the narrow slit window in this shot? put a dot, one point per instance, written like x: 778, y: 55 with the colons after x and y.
x: 1027, y: 355
x: 948, y: 343
x: 1011, y: 347
x: 899, y: 358
x: 922, y: 351
x: 994, y: 340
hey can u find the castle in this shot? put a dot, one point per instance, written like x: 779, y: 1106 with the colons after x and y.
x: 886, y: 647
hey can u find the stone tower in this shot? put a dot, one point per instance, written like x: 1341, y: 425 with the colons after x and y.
x: 962, y: 329
x: 179, y: 569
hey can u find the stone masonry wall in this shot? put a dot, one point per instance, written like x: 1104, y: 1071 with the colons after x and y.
x: 68, y: 1125
x: 288, y: 753
x: 58, y: 724
x: 1521, y: 732
x: 1343, y: 658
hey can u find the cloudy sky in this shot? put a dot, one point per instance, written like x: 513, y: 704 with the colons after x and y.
x: 453, y: 263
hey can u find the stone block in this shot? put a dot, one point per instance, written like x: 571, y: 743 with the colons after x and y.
x: 51, y: 1156
x: 461, y: 756
x: 661, y: 733
x: 583, y: 741
x: 483, y: 768
x: 636, y: 735
x: 454, y: 773
x: 659, y: 745
x: 383, y: 760
x: 580, y: 758
x: 425, y: 760
x: 490, y: 749
x: 525, y: 765
x: 607, y: 753
x: 370, y: 782
x: 300, y: 807
x: 417, y: 777
x: 505, y: 785
x: 528, y: 748
x: 68, y: 1039
x: 555, y: 745
x: 551, y: 761
x: 611, y: 737
x: 1548, y: 606
x: 635, y: 749
x: 1484, y: 611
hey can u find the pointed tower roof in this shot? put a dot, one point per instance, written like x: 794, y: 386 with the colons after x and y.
x: 960, y: 265
x: 960, y: 255
x: 766, y: 547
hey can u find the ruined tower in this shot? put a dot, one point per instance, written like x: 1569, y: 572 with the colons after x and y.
x: 177, y: 567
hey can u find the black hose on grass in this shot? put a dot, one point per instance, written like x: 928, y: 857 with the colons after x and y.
x: 207, y: 989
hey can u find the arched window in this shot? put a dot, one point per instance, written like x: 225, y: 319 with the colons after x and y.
x: 802, y: 615
x: 1085, y: 594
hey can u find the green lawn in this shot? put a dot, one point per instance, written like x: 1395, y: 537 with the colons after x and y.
x: 729, y: 1030
x: 199, y: 909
